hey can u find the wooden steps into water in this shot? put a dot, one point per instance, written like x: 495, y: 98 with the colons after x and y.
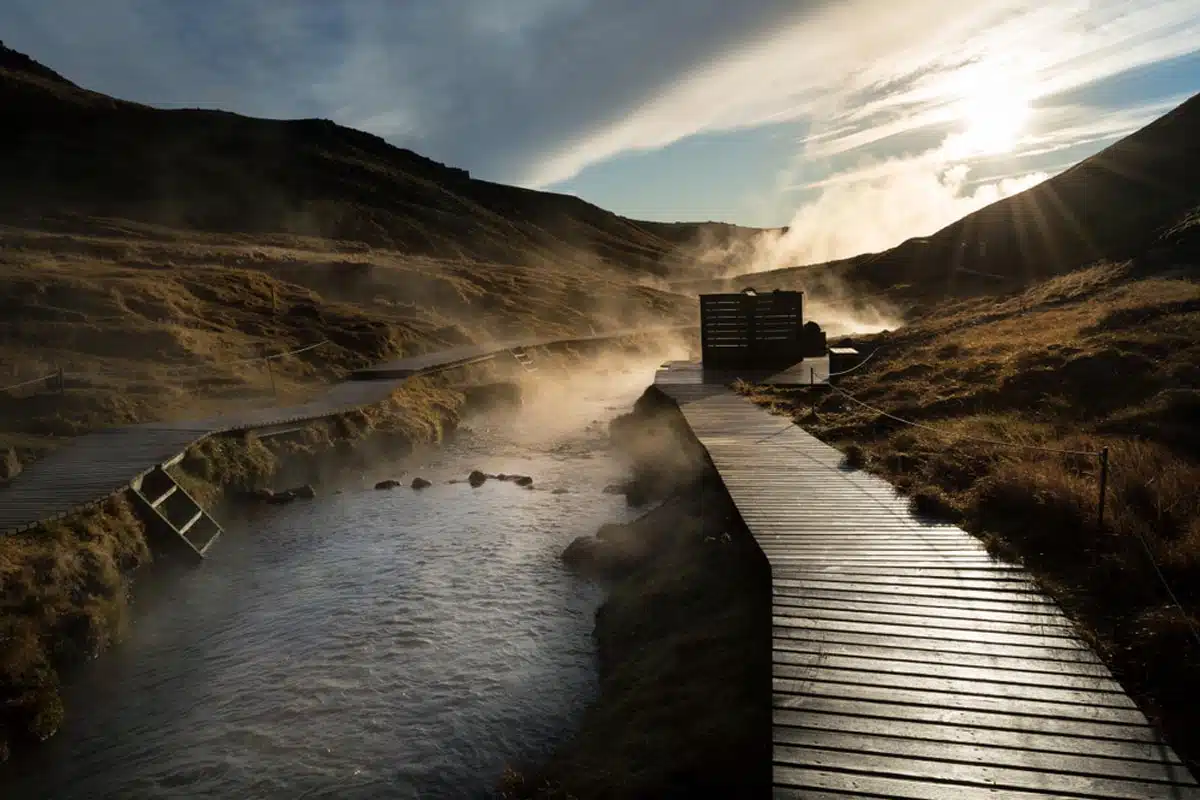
x: 907, y: 663
x: 171, y: 515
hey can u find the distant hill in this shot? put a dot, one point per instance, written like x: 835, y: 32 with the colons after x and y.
x: 65, y: 149
x: 1131, y: 199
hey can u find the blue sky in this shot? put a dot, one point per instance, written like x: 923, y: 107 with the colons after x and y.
x: 858, y: 122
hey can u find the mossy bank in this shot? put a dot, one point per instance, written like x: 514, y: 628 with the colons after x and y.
x: 683, y: 638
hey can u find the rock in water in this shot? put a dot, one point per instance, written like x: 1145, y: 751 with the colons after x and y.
x: 476, y: 478
x: 10, y: 465
x: 306, y: 491
x: 522, y: 480
x: 421, y: 483
x: 388, y: 484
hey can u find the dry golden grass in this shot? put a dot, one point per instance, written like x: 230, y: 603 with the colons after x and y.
x: 64, y: 601
x: 1102, y: 357
x: 151, y: 323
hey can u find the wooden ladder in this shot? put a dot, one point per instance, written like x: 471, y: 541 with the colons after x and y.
x: 172, y: 515
x: 525, y: 360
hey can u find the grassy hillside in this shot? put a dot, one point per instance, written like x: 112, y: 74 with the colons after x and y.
x: 64, y: 148
x: 150, y: 253
x: 1106, y: 356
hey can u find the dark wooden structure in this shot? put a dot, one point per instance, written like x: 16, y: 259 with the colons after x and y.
x: 756, y: 331
x: 907, y: 663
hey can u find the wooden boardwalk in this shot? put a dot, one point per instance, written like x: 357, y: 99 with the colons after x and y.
x: 91, y: 468
x: 906, y: 662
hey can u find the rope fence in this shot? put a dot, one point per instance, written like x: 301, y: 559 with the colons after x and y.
x: 59, y: 375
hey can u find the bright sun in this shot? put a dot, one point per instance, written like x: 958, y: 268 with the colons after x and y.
x: 994, y: 115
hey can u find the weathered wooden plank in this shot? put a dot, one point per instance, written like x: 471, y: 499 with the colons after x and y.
x: 864, y: 674
x: 992, y: 755
x: 926, y: 621
x: 1119, y: 751
x: 956, y: 665
x: 983, y: 776
x: 821, y: 686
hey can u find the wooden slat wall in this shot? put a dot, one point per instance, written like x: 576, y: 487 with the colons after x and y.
x: 907, y: 662
x: 743, y: 329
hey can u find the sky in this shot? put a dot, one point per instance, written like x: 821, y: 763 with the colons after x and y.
x: 858, y: 123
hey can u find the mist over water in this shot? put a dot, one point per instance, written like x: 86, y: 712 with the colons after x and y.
x: 366, y: 644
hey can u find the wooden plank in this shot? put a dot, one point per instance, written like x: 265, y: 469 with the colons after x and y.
x: 866, y: 674
x: 1146, y: 773
x: 823, y: 687
x: 1120, y: 751
x: 980, y: 776
x: 933, y: 622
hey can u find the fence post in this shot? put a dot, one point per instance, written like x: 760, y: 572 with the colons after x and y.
x: 271, y: 375
x: 1103, y: 487
x: 61, y: 381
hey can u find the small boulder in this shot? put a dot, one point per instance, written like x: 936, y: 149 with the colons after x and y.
x: 10, y: 465
x: 476, y: 478
x: 306, y: 492
x: 502, y: 477
x: 388, y: 484
x: 280, y: 498
x: 522, y: 480
x: 421, y: 483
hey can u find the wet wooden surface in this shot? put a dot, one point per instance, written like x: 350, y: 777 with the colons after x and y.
x: 907, y: 663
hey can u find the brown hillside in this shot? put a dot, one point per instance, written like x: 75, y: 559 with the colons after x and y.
x: 63, y: 148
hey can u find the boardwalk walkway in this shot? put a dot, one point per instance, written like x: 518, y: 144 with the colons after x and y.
x: 95, y: 466
x: 906, y: 662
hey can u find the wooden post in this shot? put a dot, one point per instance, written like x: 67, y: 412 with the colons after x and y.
x: 1103, y: 487
x: 60, y: 380
x: 812, y: 376
x: 271, y: 375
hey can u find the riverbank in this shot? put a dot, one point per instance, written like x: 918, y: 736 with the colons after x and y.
x: 68, y: 584
x: 683, y: 639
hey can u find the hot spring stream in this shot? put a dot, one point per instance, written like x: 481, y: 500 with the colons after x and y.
x: 393, y: 644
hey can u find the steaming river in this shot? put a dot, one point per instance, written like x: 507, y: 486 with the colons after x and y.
x: 368, y: 644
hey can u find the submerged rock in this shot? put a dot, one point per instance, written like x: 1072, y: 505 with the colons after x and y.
x: 560, y: 491
x: 306, y: 492
x: 280, y: 498
x: 522, y: 480
x: 10, y: 465
x: 615, y: 488
x: 388, y: 484
x: 476, y: 478
x: 421, y: 483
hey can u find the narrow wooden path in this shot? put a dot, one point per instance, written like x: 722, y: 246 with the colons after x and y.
x: 906, y: 662
x: 93, y: 467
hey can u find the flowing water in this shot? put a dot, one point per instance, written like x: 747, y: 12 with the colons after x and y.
x: 365, y: 644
